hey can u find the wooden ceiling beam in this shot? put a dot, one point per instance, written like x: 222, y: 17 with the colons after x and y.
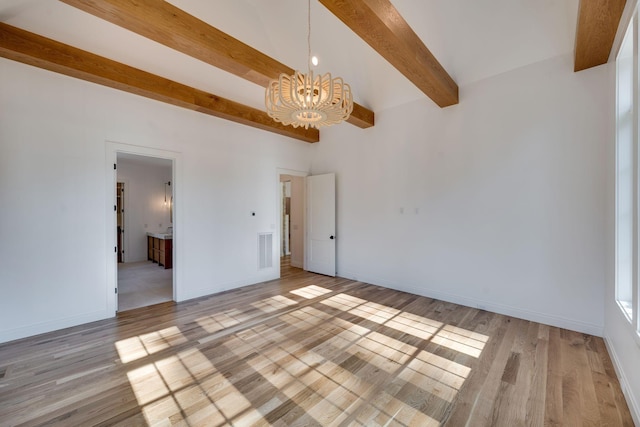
x: 598, y: 22
x: 168, y: 25
x: 29, y: 48
x: 380, y: 24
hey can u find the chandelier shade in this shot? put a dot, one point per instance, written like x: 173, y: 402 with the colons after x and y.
x: 305, y: 100
x: 308, y: 101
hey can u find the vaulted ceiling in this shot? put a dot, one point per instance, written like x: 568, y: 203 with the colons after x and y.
x: 469, y: 41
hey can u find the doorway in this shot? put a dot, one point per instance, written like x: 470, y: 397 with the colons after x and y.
x: 144, y: 199
x: 307, y: 222
x: 291, y: 219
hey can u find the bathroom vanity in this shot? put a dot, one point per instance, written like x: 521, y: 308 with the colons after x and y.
x: 160, y: 249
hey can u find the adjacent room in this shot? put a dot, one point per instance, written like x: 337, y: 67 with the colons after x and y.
x: 323, y: 213
x: 144, y: 206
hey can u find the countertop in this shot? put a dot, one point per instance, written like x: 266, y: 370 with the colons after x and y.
x: 164, y: 236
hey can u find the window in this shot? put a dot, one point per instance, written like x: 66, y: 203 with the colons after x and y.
x: 627, y: 188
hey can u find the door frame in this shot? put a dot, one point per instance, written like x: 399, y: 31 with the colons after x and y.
x: 303, y: 174
x: 125, y: 240
x: 112, y: 149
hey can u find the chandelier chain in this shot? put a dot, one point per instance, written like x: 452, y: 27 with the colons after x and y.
x: 309, y: 36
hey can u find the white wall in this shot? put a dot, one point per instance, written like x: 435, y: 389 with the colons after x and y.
x: 145, y: 210
x: 497, y: 202
x: 54, y: 185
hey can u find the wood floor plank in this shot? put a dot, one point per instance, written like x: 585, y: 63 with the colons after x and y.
x: 509, y: 408
x: 538, y: 374
x: 310, y: 350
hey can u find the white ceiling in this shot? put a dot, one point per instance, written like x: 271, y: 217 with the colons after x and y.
x: 472, y: 39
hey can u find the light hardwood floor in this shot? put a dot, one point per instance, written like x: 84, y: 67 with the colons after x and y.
x: 310, y: 350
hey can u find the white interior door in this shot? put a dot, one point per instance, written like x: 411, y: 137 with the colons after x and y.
x: 321, y: 224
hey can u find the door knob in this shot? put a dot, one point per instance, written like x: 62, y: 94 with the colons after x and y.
x: 331, y: 237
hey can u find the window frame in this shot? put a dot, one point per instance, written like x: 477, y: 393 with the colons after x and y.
x: 633, y: 317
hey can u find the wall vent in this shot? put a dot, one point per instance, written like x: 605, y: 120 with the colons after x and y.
x: 265, y: 250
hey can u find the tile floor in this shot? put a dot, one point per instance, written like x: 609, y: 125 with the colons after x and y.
x: 143, y: 283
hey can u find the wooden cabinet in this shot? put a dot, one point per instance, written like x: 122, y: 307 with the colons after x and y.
x: 165, y: 253
x: 160, y: 250
x: 150, y: 248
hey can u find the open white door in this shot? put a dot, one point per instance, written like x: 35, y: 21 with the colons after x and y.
x: 321, y: 224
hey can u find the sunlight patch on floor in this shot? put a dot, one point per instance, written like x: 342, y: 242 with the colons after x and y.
x: 432, y: 380
x: 343, y: 302
x: 219, y: 321
x: 311, y: 291
x: 458, y: 343
x: 418, y: 326
x: 274, y: 303
x: 381, y: 355
x: 386, y: 410
x: 454, y: 373
x: 324, y: 390
x: 449, y: 336
x: 147, y: 384
x: 374, y: 312
x: 301, y: 320
x: 311, y: 315
x: 388, y: 347
x: 143, y: 345
x: 187, y: 385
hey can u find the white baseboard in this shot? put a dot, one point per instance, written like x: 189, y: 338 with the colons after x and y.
x: 534, y: 316
x: 54, y: 325
x: 221, y: 287
x: 632, y: 401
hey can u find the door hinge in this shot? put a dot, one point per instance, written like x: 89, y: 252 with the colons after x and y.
x: 114, y: 208
x: 116, y: 289
x: 115, y: 249
x: 114, y: 166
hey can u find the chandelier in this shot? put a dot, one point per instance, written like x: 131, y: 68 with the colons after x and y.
x: 307, y: 100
